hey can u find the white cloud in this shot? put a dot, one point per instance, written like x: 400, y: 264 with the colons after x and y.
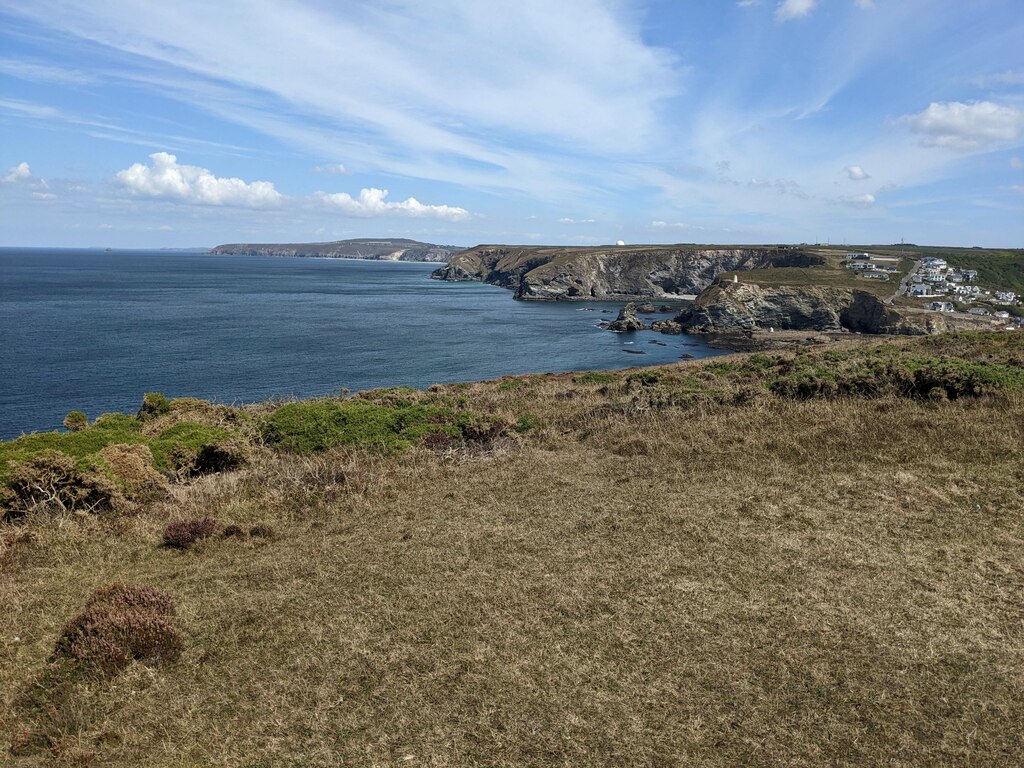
x: 856, y: 173
x: 967, y: 126
x: 859, y: 201
x: 20, y: 172
x: 747, y: 3
x: 338, y: 168
x: 794, y: 9
x: 373, y: 202
x: 165, y: 178
x: 1016, y: 163
x: 574, y: 221
x: 865, y: 3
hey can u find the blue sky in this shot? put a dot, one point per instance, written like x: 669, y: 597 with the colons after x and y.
x: 128, y: 123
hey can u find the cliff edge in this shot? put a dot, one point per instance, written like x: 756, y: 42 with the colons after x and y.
x: 619, y: 273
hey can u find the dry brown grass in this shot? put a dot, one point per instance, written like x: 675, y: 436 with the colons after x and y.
x: 824, y: 582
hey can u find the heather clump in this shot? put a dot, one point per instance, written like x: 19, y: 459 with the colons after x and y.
x: 182, y: 534
x: 121, y: 623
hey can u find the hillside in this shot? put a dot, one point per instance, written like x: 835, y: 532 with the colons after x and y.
x: 804, y: 559
x: 393, y: 249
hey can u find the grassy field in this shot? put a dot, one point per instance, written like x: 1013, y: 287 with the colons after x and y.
x: 997, y: 268
x: 804, y: 559
x: 832, y: 274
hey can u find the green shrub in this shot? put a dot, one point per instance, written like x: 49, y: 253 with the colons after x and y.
x: 179, y: 447
x: 526, y: 422
x: 76, y: 421
x: 154, y: 404
x: 317, y: 425
x: 646, y: 378
x: 596, y: 377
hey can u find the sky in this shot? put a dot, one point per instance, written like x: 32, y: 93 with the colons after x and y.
x: 127, y: 123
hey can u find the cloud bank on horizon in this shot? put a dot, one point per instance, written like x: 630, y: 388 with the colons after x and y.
x: 586, y: 122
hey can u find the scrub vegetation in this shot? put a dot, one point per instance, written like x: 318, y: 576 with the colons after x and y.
x: 803, y: 558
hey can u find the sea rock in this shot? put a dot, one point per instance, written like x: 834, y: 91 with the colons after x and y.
x: 667, y: 326
x: 627, y: 320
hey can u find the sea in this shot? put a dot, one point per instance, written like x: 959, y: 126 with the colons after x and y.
x: 93, y: 330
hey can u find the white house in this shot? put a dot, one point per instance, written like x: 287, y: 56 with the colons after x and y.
x: 941, y: 306
x: 1007, y: 296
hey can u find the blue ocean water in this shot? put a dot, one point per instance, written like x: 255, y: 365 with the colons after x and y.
x: 92, y: 330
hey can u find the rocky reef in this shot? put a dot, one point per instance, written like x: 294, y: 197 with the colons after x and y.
x: 743, y: 307
x: 618, y: 273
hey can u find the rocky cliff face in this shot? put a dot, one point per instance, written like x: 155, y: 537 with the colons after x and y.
x: 730, y: 307
x: 615, y: 274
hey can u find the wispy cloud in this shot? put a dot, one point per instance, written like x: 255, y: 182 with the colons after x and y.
x: 338, y: 168
x: 36, y: 72
x: 794, y: 9
x: 377, y: 79
x: 856, y: 173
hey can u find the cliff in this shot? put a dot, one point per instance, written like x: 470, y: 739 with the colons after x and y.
x: 395, y: 249
x: 730, y: 307
x: 655, y: 272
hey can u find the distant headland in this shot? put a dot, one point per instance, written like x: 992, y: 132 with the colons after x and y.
x: 376, y: 249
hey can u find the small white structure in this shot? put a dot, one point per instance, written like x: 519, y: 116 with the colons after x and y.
x: 1007, y: 296
x: 941, y: 306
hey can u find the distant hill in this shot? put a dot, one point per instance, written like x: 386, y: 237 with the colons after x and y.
x: 377, y: 249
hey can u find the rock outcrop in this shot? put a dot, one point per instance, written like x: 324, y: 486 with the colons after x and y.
x: 627, y: 320
x: 393, y: 249
x: 731, y: 307
x: 618, y: 273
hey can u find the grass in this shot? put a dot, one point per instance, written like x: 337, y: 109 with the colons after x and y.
x: 672, y: 566
x: 832, y: 274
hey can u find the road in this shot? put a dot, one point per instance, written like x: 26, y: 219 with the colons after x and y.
x: 904, y: 283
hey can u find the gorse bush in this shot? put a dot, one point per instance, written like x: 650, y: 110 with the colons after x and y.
x: 154, y: 404
x: 53, y: 483
x: 121, y: 623
x: 76, y: 421
x: 318, y: 425
x: 182, y: 534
